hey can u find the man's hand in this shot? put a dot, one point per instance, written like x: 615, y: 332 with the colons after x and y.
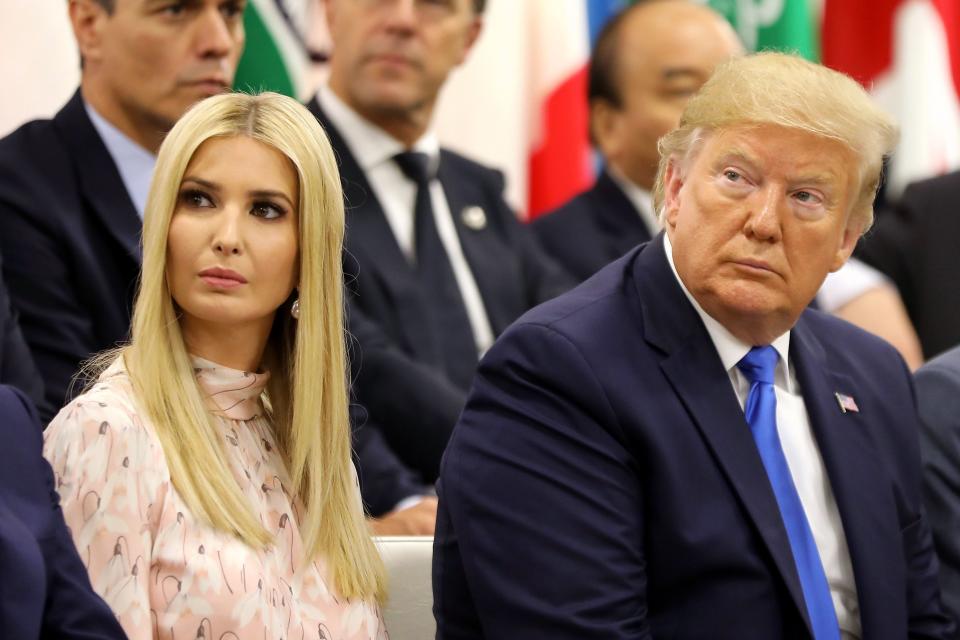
x: 418, y: 520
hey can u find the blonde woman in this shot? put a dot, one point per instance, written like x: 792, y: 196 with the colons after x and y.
x: 206, y: 474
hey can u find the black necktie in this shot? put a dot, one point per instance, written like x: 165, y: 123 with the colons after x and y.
x: 452, y: 347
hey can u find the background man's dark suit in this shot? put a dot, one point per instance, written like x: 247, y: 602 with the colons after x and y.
x: 70, y: 241
x: 511, y: 271
x: 917, y: 244
x: 938, y: 399
x: 16, y: 363
x: 45, y: 589
x: 607, y: 484
x: 593, y: 229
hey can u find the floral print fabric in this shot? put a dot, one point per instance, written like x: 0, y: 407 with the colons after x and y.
x: 164, y: 573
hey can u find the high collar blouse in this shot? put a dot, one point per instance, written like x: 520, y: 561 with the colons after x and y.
x: 165, y: 573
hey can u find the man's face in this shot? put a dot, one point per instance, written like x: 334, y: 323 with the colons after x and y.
x: 156, y: 58
x: 666, y: 52
x: 757, y: 219
x: 392, y: 56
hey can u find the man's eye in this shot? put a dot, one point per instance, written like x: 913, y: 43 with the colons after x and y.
x: 806, y: 197
x: 731, y: 175
x: 232, y: 9
x: 266, y: 210
x: 174, y: 9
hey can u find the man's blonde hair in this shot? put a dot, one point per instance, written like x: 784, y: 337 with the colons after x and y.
x: 307, y: 396
x: 788, y: 91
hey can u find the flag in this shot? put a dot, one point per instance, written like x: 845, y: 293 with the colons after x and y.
x: 907, y: 54
x: 781, y: 25
x: 276, y: 55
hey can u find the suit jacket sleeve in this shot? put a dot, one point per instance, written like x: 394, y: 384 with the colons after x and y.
x: 938, y: 399
x: 889, y: 245
x: 16, y: 362
x: 39, y: 281
x: 384, y: 480
x: 412, y: 405
x: 540, y: 504
x: 72, y: 610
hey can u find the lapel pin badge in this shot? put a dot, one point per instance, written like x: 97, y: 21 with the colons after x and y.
x: 474, y: 217
x: 847, y: 403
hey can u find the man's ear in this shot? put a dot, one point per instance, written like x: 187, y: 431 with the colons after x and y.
x: 848, y: 242
x: 88, y: 19
x: 606, y: 126
x: 673, y: 179
x: 473, y: 32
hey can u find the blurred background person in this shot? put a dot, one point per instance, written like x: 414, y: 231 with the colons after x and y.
x: 46, y: 591
x: 435, y: 259
x: 938, y: 400
x: 206, y: 475
x: 73, y: 189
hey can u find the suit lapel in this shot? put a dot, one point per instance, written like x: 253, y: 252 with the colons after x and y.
x: 693, y: 368
x: 867, y: 512
x: 371, y: 240
x: 98, y: 176
x: 616, y: 216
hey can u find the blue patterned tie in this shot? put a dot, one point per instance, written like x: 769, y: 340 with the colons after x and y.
x: 761, y: 413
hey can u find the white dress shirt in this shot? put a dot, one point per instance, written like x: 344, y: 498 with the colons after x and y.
x: 803, y: 459
x: 374, y: 150
x: 134, y: 163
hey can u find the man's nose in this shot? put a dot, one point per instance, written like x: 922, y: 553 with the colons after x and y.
x: 215, y: 33
x: 764, y: 221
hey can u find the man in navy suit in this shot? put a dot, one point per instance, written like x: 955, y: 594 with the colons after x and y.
x: 680, y: 447
x: 46, y: 591
x: 647, y: 62
x: 72, y: 189
x: 435, y: 257
x: 938, y: 399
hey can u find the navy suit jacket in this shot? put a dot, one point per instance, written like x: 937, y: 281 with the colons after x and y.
x: 44, y: 588
x: 938, y: 398
x: 917, y: 244
x: 603, y: 483
x: 70, y: 237
x: 593, y: 229
x: 512, y: 273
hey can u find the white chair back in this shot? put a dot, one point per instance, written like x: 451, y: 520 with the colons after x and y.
x: 409, y: 611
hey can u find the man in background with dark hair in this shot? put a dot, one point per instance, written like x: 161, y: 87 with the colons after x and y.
x: 73, y: 188
x: 648, y: 61
x: 436, y: 260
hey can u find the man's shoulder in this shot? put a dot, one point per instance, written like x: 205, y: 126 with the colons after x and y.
x: 461, y: 164
x: 947, y: 363
x: 847, y: 346
x: 576, y: 214
x: 595, y: 309
x: 35, y: 158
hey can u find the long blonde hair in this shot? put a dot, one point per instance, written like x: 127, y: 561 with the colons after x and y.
x: 307, y: 396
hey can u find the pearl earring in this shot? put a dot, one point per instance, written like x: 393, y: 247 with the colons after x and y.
x: 295, y: 309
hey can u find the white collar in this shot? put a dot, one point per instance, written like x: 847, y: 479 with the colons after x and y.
x: 369, y: 144
x: 730, y: 348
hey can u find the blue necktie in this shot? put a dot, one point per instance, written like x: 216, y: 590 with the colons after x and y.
x: 761, y: 413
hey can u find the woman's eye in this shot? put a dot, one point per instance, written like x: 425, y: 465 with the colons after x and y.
x: 267, y: 210
x: 195, y: 198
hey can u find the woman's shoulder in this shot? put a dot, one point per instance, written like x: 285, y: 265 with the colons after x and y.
x: 107, y: 410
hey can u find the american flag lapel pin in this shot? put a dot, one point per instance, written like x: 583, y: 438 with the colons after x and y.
x: 847, y: 403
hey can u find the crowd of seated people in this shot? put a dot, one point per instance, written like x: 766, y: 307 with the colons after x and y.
x: 247, y: 327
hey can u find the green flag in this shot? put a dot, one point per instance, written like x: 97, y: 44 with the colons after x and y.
x: 275, y: 58
x: 783, y: 25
